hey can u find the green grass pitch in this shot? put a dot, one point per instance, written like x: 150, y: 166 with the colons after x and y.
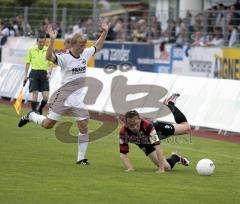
x: 37, y: 168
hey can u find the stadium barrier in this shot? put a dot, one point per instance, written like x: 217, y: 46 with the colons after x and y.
x: 211, y: 103
x: 211, y: 62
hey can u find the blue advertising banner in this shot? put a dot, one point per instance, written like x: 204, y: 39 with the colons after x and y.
x: 177, y: 53
x: 139, y: 55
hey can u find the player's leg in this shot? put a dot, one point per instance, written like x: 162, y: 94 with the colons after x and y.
x: 46, y: 122
x: 150, y: 151
x: 83, y: 140
x: 182, y: 126
x: 44, y: 101
x: 175, y: 158
x: 44, y: 88
x: 164, y: 130
x: 153, y: 157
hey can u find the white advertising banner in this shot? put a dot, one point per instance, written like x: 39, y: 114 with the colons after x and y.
x: 196, y: 61
x: 16, y: 49
x: 211, y: 103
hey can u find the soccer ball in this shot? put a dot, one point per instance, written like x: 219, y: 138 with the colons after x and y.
x: 205, y: 167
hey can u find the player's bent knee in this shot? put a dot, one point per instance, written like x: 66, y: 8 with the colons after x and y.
x: 83, y: 126
x: 187, y: 127
x: 48, y: 124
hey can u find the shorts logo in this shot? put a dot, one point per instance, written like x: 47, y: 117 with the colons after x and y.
x: 167, y: 127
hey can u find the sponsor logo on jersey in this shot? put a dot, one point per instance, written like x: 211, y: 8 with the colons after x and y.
x: 121, y: 141
x: 84, y: 62
x: 79, y: 70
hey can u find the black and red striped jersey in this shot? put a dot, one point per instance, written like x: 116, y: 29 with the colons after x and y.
x: 145, y: 136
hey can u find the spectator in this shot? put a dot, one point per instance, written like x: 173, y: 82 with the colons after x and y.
x: 140, y: 35
x: 156, y: 28
x: 220, y: 14
x: 233, y: 35
x: 78, y: 28
x: 169, y: 33
x: 22, y: 27
x: 119, y: 30
x: 89, y: 30
x: 218, y: 39
x: 198, y: 39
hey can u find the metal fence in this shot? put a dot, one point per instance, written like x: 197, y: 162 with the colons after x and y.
x: 134, y: 25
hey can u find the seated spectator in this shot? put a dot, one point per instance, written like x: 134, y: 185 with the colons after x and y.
x: 22, y: 27
x: 217, y: 39
x: 78, y: 28
x: 198, y: 39
x: 4, y: 33
x: 156, y: 28
x: 89, y: 29
x: 199, y: 22
x: 140, y: 35
x: 119, y: 30
x: 180, y: 32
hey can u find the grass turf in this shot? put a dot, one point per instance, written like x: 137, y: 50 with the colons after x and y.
x: 37, y: 168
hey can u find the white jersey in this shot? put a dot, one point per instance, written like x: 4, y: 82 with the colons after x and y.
x: 68, y: 99
x: 74, y: 67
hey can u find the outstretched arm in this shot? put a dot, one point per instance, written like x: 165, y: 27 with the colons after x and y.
x: 126, y: 162
x: 99, y: 43
x: 49, y: 55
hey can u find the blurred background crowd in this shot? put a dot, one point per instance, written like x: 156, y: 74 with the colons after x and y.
x: 219, y: 25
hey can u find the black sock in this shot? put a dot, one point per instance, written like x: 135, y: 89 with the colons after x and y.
x: 43, y: 103
x: 173, y: 160
x: 34, y: 105
x: 178, y: 115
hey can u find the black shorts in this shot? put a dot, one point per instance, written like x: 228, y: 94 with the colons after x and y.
x: 38, y: 81
x: 164, y: 130
x: 146, y: 148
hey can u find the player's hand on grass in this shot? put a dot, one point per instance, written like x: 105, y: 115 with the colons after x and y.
x: 160, y: 170
x: 129, y: 170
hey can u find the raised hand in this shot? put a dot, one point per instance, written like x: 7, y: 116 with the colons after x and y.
x: 51, y: 32
x: 104, y: 25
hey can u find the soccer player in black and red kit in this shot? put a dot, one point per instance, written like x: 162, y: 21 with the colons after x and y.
x: 147, y: 135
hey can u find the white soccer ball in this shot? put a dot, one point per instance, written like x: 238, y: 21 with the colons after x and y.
x: 205, y: 167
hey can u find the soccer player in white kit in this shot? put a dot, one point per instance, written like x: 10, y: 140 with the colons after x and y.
x: 68, y: 99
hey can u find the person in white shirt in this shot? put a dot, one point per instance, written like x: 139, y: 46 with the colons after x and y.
x: 68, y: 99
x: 217, y: 39
x: 233, y: 35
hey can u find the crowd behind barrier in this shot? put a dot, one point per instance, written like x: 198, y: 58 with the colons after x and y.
x: 218, y: 26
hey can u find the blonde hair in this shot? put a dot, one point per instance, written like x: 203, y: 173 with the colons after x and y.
x: 78, y: 37
x: 67, y: 41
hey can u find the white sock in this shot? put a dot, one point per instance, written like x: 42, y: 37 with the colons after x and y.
x: 36, y: 118
x: 82, y: 145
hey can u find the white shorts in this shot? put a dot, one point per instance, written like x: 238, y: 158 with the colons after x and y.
x: 68, y: 105
x: 55, y: 116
